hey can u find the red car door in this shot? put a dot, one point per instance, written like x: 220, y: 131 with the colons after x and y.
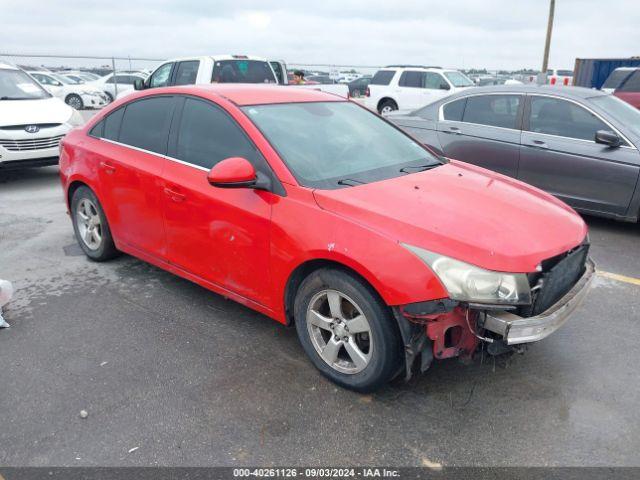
x: 220, y: 235
x: 130, y: 166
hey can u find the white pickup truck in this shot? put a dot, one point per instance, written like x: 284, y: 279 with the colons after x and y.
x: 224, y: 69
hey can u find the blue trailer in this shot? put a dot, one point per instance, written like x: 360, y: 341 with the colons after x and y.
x: 592, y: 72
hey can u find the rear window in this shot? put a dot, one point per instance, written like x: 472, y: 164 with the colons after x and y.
x: 615, y: 79
x: 565, y: 73
x: 243, y: 71
x: 382, y: 77
x: 632, y: 84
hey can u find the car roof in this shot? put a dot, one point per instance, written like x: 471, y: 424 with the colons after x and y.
x: 567, y: 92
x: 255, y: 94
x: 217, y: 58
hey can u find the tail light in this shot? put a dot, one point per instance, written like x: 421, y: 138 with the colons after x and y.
x: 553, y: 80
x: 367, y: 92
x: 566, y: 80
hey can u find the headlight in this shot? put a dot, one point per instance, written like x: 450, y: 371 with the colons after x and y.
x: 468, y: 283
x: 75, y: 120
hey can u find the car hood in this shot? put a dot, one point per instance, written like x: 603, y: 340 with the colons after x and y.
x: 464, y: 212
x: 25, y: 112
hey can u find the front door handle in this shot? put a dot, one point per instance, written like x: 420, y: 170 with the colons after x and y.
x: 175, y: 196
x: 453, y: 130
x: 107, y: 167
x: 540, y: 144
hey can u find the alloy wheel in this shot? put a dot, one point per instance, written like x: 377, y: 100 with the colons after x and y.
x: 89, y: 224
x: 339, y: 331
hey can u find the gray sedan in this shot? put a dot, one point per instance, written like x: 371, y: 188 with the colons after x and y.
x: 581, y: 145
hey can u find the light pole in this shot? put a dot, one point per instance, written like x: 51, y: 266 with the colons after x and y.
x: 547, y: 43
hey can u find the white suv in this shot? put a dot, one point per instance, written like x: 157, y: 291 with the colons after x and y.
x: 406, y: 87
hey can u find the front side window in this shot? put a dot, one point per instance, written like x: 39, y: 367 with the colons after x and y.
x: 434, y: 81
x: 383, y: 77
x: 453, y: 111
x: 493, y: 110
x: 242, y: 71
x: 207, y: 135
x: 187, y: 72
x: 161, y: 76
x: 145, y: 124
x: 45, y: 79
x: 554, y: 116
x: 17, y: 85
x: 337, y: 144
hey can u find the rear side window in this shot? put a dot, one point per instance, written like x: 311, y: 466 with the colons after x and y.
x: 553, y: 116
x: 112, y: 125
x: 208, y: 135
x: 411, y: 79
x: 453, y: 111
x: 146, y: 124
x: 493, y: 110
x: 382, y: 77
x: 187, y: 72
x: 632, y: 84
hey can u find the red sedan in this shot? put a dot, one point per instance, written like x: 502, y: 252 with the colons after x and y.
x: 320, y: 214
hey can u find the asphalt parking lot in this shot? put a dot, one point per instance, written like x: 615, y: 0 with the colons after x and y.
x: 172, y: 374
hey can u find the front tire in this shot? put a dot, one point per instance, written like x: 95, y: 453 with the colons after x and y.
x: 346, y: 330
x: 74, y: 101
x: 90, y: 226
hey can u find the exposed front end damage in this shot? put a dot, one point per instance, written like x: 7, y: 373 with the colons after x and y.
x: 446, y: 328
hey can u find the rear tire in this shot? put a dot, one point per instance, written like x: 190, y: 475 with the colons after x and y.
x: 90, y: 226
x: 387, y: 106
x: 346, y: 330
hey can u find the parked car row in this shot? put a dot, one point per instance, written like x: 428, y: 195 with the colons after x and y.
x: 76, y: 94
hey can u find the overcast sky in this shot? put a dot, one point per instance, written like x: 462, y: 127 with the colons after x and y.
x: 459, y: 33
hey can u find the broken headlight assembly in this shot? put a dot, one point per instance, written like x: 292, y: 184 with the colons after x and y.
x: 469, y: 283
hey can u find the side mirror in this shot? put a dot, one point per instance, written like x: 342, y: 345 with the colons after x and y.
x: 234, y: 172
x: 607, y: 137
x: 138, y: 84
x: 444, y: 86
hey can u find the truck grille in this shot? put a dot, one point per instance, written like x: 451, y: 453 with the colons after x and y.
x: 559, y: 274
x: 31, y: 143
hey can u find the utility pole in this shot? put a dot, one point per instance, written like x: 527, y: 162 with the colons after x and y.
x: 547, y: 44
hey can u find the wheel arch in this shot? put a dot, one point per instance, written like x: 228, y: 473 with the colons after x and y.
x: 305, y: 269
x: 384, y: 99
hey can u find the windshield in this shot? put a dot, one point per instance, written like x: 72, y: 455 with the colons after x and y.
x: 242, y: 71
x: 615, y: 79
x: 624, y: 113
x: 17, y: 85
x: 330, y: 145
x: 459, y: 79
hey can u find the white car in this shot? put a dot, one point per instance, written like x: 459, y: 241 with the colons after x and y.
x: 225, y: 69
x: 406, y: 87
x: 32, y: 121
x: 74, y: 94
x: 123, y: 81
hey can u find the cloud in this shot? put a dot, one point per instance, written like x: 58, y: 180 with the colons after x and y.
x: 465, y: 33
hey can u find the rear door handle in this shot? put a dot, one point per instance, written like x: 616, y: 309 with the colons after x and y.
x: 107, y: 167
x: 175, y: 196
x: 539, y: 144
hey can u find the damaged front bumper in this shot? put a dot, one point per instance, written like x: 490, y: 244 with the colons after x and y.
x: 515, y: 329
